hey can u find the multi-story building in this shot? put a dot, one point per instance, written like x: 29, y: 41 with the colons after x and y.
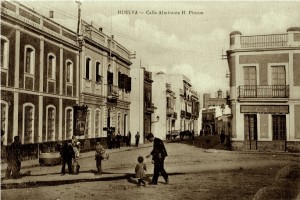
x: 187, y: 102
x: 39, y: 78
x: 164, y: 117
x: 182, y: 110
x: 141, y: 107
x: 171, y: 110
x: 265, y: 90
x: 105, y: 83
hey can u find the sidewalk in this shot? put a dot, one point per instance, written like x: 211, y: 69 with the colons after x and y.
x: 48, y: 178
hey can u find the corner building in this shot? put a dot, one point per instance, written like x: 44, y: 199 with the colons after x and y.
x: 39, y: 78
x: 265, y: 90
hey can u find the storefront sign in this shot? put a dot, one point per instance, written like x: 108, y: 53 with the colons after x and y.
x: 266, y: 109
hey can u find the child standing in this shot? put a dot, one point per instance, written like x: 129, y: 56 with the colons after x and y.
x: 140, y: 171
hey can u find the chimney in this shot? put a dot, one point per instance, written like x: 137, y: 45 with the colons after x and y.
x: 51, y: 14
x: 100, y: 29
x: 112, y: 37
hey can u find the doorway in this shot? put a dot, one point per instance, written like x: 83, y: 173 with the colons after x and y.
x: 250, y: 127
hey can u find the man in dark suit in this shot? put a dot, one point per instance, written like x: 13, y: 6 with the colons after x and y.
x: 158, y: 153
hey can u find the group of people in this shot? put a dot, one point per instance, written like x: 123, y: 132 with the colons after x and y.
x: 69, y: 153
x: 114, y: 140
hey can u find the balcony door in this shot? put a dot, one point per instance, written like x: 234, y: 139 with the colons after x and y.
x: 250, y: 123
x: 250, y: 81
x: 278, y: 81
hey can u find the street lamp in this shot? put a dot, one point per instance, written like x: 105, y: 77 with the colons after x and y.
x: 157, y: 119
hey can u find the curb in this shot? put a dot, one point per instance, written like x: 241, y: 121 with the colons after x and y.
x: 32, y: 184
x: 86, y: 156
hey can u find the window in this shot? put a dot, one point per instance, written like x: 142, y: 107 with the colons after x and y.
x: 97, y: 123
x: 249, y: 75
x: 278, y: 75
x: 29, y: 60
x: 279, y: 127
x: 51, y: 66
x: 88, y: 124
x: 28, y: 123
x: 50, y: 123
x: 69, y: 72
x: 4, y: 121
x: 98, y: 72
x: 119, y: 122
x: 4, y: 53
x: 69, y: 123
x: 88, y: 68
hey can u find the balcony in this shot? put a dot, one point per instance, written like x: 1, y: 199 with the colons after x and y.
x: 149, y: 107
x: 263, y: 91
x: 188, y: 115
x: 175, y: 115
x: 112, y: 93
x: 170, y: 112
x: 182, y: 113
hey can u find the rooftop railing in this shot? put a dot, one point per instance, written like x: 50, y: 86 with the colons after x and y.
x: 274, y: 40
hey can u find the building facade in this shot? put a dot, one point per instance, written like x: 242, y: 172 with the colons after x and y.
x: 180, y: 112
x: 141, y: 107
x: 39, y: 77
x: 187, y: 103
x: 219, y: 100
x: 165, y: 112
x: 265, y: 90
x: 105, y: 83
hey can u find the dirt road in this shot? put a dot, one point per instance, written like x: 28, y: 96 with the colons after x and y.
x: 203, y: 174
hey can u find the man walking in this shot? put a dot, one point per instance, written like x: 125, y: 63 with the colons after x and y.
x: 14, y: 159
x: 128, y: 143
x: 158, y: 153
x: 67, y: 154
x: 137, y: 139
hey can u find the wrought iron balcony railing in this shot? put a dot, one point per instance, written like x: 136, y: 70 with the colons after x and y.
x: 263, y: 91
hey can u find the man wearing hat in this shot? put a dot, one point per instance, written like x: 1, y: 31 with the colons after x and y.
x: 158, y: 153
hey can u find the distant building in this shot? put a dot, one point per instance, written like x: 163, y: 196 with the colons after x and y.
x: 265, y: 90
x: 177, y: 104
x: 214, y: 101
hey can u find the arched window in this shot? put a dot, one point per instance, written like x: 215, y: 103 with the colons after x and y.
x: 28, y: 123
x: 97, y: 122
x: 98, y: 72
x: 51, y: 63
x: 88, y: 62
x: 4, y: 52
x: 68, y: 123
x: 50, y: 123
x: 69, y: 71
x: 29, y: 60
x: 4, y: 121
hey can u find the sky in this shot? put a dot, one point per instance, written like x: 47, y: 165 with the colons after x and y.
x: 191, y: 44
